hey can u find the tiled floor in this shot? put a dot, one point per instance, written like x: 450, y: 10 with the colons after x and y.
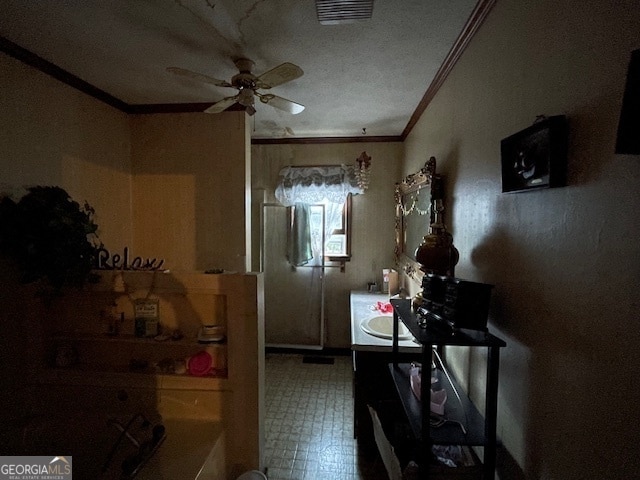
x: 309, y: 422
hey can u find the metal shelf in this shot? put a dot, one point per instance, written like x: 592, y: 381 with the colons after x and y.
x: 481, y: 430
x: 456, y: 410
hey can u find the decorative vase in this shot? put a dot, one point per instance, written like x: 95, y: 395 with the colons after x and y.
x: 437, y: 254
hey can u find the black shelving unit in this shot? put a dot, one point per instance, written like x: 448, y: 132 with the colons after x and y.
x: 466, y: 425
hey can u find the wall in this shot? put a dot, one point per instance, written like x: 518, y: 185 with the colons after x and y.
x: 50, y: 134
x: 190, y: 184
x: 373, y: 217
x: 184, y: 200
x: 565, y: 262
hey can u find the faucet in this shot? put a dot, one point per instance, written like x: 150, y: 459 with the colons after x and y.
x: 133, y: 463
x: 125, y: 429
x: 145, y: 449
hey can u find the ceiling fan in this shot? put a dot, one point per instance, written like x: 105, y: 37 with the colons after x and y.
x: 248, y: 85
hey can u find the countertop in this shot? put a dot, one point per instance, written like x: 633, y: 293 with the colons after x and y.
x: 361, y: 306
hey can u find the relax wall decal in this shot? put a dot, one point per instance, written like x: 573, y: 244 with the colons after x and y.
x: 107, y: 261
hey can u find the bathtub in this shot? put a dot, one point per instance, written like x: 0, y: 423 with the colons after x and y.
x: 191, y: 448
x: 79, y: 414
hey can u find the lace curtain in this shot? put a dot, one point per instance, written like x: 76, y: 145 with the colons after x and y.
x: 299, y: 186
x: 313, y: 185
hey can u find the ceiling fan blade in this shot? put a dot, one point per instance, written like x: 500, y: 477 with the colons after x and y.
x: 222, y: 105
x: 279, y: 75
x: 198, y: 76
x: 281, y: 103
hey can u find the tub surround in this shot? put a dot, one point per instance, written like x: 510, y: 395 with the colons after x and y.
x: 214, y: 423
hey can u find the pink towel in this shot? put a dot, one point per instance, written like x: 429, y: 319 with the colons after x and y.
x: 384, y: 307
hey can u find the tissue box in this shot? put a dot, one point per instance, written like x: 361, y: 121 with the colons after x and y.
x: 438, y: 397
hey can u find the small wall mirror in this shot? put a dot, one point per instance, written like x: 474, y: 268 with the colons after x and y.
x: 415, y: 197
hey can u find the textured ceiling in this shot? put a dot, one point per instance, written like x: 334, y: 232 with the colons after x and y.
x: 365, y: 75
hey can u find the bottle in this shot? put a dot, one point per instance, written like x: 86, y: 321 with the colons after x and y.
x: 385, y: 280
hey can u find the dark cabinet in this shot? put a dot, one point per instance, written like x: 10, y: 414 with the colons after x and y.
x: 465, y: 425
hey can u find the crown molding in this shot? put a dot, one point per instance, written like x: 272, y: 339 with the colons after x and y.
x: 39, y: 63
x: 476, y: 19
x: 324, y: 140
x: 150, y: 108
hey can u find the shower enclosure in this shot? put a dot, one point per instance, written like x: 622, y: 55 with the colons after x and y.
x: 294, y: 296
x: 307, y: 223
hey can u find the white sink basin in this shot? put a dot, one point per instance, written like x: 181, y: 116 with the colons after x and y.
x: 382, y: 327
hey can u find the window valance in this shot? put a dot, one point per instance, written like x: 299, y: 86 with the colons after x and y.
x: 313, y: 185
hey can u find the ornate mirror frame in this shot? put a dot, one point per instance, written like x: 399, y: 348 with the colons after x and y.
x: 425, y: 178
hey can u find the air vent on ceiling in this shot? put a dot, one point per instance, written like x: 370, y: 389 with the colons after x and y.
x: 333, y: 12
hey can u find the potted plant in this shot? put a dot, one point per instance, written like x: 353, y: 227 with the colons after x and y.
x: 51, y: 238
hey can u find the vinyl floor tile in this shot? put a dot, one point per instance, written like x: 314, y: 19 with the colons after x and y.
x: 309, y: 422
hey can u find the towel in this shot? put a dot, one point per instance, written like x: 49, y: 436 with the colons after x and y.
x: 383, y: 307
x: 299, y: 250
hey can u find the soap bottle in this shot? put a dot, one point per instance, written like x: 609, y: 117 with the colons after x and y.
x: 385, y: 280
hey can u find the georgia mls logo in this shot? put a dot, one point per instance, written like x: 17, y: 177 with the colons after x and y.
x: 35, y: 468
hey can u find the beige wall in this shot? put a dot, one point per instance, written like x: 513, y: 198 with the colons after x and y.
x: 373, y: 217
x: 190, y: 184
x: 169, y: 186
x: 51, y: 134
x: 565, y: 262
x: 184, y: 200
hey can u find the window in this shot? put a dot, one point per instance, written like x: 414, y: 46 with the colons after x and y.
x: 338, y: 246
x: 334, y: 245
x: 320, y: 201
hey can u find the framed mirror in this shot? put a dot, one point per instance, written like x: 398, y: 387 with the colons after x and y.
x: 415, y: 197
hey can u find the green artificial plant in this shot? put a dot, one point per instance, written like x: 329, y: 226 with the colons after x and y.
x: 51, y: 238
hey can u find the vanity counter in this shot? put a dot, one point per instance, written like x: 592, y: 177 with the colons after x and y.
x: 372, y: 383
x: 362, y: 308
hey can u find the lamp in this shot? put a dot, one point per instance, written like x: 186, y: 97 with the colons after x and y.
x: 436, y: 253
x: 245, y: 98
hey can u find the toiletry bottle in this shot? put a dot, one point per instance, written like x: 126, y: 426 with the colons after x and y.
x: 385, y: 280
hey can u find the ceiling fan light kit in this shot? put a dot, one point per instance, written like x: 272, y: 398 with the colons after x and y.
x: 248, y: 85
x: 245, y: 98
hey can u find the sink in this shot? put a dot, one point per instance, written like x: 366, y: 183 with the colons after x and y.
x: 382, y: 326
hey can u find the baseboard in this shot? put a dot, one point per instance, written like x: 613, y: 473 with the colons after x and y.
x: 333, y: 352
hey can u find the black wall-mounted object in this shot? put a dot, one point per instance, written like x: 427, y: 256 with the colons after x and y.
x: 536, y: 157
x: 628, y: 141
